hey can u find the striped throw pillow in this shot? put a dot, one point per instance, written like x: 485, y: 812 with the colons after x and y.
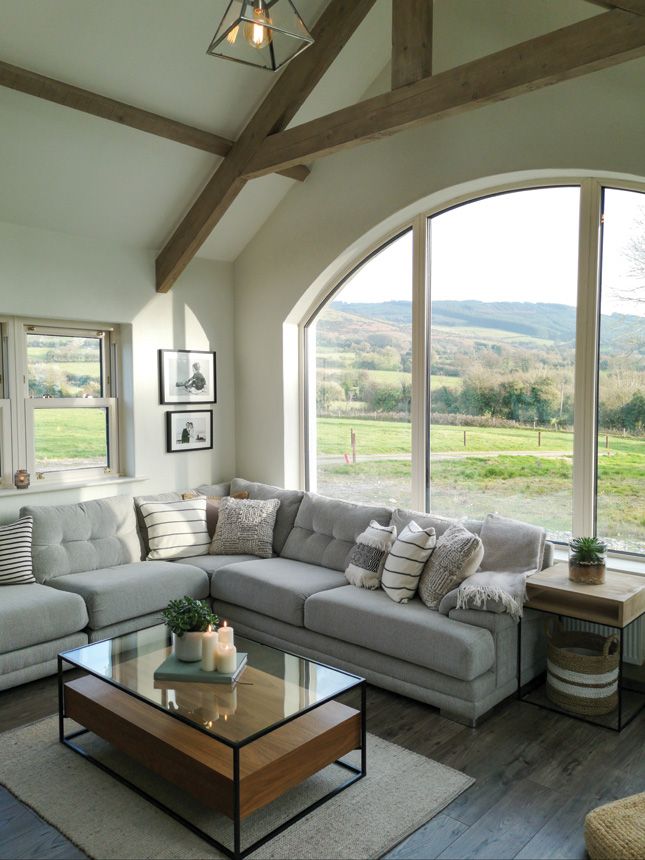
x: 406, y: 560
x: 176, y: 529
x: 15, y: 552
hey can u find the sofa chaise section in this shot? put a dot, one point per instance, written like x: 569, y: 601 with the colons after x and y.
x: 409, y: 632
x: 36, y: 623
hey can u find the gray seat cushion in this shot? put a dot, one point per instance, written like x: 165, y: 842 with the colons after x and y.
x: 325, y: 530
x: 84, y: 536
x: 289, y: 505
x: 409, y: 631
x: 211, y: 563
x: 116, y: 594
x: 276, y: 587
x: 32, y: 614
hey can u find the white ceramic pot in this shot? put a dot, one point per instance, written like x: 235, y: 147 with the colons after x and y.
x: 188, y: 647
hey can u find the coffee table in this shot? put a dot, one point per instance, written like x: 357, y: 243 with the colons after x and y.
x: 237, y: 748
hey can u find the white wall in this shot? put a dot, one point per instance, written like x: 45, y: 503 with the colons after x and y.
x: 53, y: 275
x: 589, y: 126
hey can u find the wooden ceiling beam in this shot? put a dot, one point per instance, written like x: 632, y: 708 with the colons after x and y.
x: 52, y: 90
x: 587, y: 46
x: 332, y: 31
x: 411, y: 41
x: 637, y: 7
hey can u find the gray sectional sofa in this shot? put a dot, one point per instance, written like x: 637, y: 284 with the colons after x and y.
x: 93, y: 584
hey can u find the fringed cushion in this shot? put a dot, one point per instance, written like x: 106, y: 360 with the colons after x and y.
x: 366, y: 559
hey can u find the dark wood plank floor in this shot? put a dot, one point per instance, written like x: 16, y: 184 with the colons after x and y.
x: 538, y: 774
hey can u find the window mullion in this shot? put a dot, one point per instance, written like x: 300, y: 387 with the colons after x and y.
x: 419, y: 408
x: 584, y: 460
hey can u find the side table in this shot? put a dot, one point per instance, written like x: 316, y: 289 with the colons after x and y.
x: 618, y: 603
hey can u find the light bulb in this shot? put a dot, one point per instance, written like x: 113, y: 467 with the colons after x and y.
x: 232, y: 35
x: 258, y: 34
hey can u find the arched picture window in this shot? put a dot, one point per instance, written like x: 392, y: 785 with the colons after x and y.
x: 491, y: 359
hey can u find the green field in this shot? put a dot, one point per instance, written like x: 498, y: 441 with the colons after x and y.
x: 71, y: 437
x: 393, y: 437
x: 519, y: 478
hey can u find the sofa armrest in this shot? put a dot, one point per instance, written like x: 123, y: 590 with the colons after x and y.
x: 493, y: 621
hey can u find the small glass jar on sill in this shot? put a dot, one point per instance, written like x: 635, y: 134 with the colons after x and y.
x: 21, y: 479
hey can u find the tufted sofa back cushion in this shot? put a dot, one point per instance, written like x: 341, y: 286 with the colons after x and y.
x: 81, y: 537
x: 325, y: 530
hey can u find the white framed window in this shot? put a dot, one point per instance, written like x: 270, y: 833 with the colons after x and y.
x: 524, y: 321
x: 60, y: 387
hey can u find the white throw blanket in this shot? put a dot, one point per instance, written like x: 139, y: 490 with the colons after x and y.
x: 494, y: 592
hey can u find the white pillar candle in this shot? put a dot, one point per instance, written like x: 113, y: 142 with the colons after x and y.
x: 226, y: 658
x: 209, y: 644
x: 225, y: 635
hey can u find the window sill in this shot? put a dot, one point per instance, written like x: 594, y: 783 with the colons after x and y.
x: 617, y: 563
x: 56, y: 486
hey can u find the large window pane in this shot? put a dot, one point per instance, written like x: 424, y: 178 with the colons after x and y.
x: 64, y: 365
x: 362, y: 344
x: 74, y: 438
x: 503, y: 288
x: 621, y: 387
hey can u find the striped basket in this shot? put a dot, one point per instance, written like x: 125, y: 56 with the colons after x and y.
x: 582, y: 671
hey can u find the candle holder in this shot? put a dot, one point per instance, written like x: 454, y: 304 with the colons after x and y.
x: 21, y: 479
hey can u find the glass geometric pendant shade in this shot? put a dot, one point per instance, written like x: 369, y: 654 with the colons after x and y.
x: 263, y: 33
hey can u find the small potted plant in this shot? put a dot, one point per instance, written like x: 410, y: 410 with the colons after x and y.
x: 587, y: 560
x: 187, y: 619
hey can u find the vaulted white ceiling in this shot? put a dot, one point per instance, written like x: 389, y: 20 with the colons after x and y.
x: 67, y: 171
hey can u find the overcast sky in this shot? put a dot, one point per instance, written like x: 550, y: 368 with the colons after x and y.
x: 520, y: 246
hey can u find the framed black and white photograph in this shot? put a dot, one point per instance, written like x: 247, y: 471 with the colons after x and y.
x: 189, y: 431
x: 187, y: 376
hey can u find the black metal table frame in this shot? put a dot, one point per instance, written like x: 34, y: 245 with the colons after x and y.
x: 523, y: 692
x: 237, y: 853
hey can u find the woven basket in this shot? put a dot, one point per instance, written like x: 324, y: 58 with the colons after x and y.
x: 582, y: 671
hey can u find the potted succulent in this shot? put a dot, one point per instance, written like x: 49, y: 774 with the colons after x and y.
x: 187, y: 619
x: 587, y: 560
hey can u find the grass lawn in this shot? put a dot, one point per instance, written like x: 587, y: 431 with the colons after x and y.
x: 69, y: 434
x: 394, y: 437
x: 534, y: 488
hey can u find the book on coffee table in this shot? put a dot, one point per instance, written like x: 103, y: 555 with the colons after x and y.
x: 173, y: 669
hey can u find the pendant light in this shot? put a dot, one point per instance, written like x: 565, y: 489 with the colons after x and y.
x: 262, y: 33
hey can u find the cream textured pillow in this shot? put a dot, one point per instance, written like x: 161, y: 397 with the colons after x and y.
x: 245, y: 527
x: 367, y: 557
x: 457, y: 556
x: 405, y: 562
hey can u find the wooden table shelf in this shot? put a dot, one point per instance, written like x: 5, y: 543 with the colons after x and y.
x: 617, y: 602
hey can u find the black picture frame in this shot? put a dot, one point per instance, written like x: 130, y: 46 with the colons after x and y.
x: 180, y: 425
x: 187, y: 377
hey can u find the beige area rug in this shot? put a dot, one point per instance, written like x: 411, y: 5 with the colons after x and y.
x: 401, y: 791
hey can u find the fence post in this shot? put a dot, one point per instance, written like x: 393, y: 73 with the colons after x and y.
x: 464, y: 438
x: 539, y: 438
x: 606, y: 440
x: 353, y: 439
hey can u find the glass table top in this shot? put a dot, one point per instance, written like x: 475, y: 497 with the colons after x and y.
x: 273, y: 687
